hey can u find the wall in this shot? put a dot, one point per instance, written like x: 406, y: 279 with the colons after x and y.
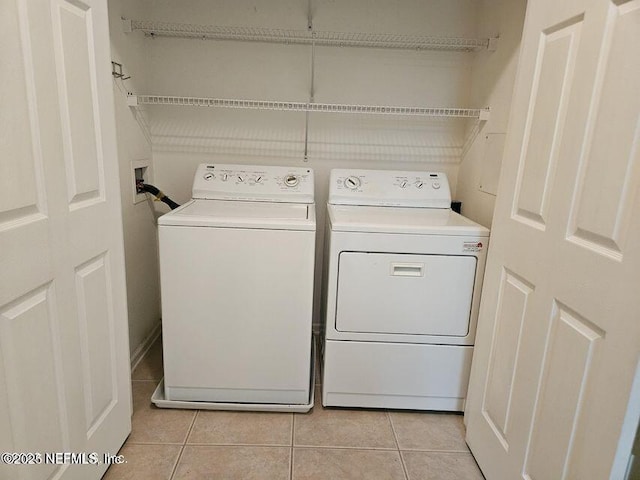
x: 140, y: 234
x: 493, y: 75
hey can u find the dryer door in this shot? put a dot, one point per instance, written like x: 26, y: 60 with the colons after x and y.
x: 405, y: 293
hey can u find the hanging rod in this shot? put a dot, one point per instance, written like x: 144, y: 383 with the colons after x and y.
x: 137, y: 100
x: 306, y: 37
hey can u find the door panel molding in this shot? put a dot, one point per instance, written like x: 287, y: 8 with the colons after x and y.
x: 604, y: 232
x: 37, y: 409
x: 569, y: 351
x: 75, y: 62
x: 95, y: 315
x: 542, y: 137
x: 513, y: 296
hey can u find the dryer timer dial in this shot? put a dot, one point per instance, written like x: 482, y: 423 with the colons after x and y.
x: 291, y: 180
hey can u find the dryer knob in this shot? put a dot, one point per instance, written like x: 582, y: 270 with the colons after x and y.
x: 291, y: 180
x: 435, y: 185
x: 352, y: 182
x: 208, y: 176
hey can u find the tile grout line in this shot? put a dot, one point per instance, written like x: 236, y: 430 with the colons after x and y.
x: 395, y: 437
x: 257, y: 445
x: 344, y: 447
x: 175, y: 465
x: 193, y: 422
x: 433, y: 450
x: 184, y: 444
x: 155, y: 443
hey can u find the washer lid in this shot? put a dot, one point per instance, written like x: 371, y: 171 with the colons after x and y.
x: 421, y: 221
x: 241, y: 214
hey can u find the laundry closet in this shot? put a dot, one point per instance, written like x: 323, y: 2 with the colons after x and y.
x: 531, y: 121
x: 406, y: 85
x: 307, y: 83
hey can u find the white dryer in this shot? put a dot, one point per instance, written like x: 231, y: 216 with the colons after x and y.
x: 236, y: 265
x: 403, y: 275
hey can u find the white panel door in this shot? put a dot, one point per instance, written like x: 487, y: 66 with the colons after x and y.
x: 64, y: 367
x: 558, y: 337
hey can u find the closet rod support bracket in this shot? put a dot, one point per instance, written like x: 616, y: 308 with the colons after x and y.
x: 116, y: 71
x: 485, y: 114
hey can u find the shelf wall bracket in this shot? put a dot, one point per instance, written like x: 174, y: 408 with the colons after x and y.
x: 127, y: 27
x: 132, y: 100
x: 492, y: 44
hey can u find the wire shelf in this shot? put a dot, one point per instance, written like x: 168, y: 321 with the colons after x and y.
x: 305, y: 37
x: 481, y: 113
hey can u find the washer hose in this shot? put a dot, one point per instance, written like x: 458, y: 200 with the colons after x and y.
x: 145, y: 187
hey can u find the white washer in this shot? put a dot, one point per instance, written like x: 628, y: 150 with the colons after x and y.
x: 403, y: 277
x: 236, y: 265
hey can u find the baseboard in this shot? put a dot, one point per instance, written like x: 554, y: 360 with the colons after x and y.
x: 145, y: 345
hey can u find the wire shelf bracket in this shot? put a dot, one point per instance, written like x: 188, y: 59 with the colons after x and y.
x: 307, y: 37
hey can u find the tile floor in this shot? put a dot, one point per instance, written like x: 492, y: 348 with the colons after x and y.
x: 330, y: 444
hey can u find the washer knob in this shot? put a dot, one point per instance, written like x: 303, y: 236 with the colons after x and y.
x: 208, y: 176
x: 240, y: 178
x: 291, y: 180
x: 258, y: 179
x: 352, y: 182
x: 224, y: 177
x: 436, y: 185
x: 403, y: 184
x: 419, y: 184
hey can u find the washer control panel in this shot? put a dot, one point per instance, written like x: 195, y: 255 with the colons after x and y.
x: 389, y: 188
x: 258, y: 183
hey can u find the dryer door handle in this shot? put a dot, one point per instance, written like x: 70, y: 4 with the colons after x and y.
x: 407, y: 269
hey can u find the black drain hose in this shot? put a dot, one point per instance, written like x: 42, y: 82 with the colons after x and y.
x: 145, y: 187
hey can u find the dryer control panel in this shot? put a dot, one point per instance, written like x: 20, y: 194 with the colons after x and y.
x: 389, y: 188
x: 257, y: 183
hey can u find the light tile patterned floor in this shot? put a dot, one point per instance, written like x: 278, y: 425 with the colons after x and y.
x: 331, y: 444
